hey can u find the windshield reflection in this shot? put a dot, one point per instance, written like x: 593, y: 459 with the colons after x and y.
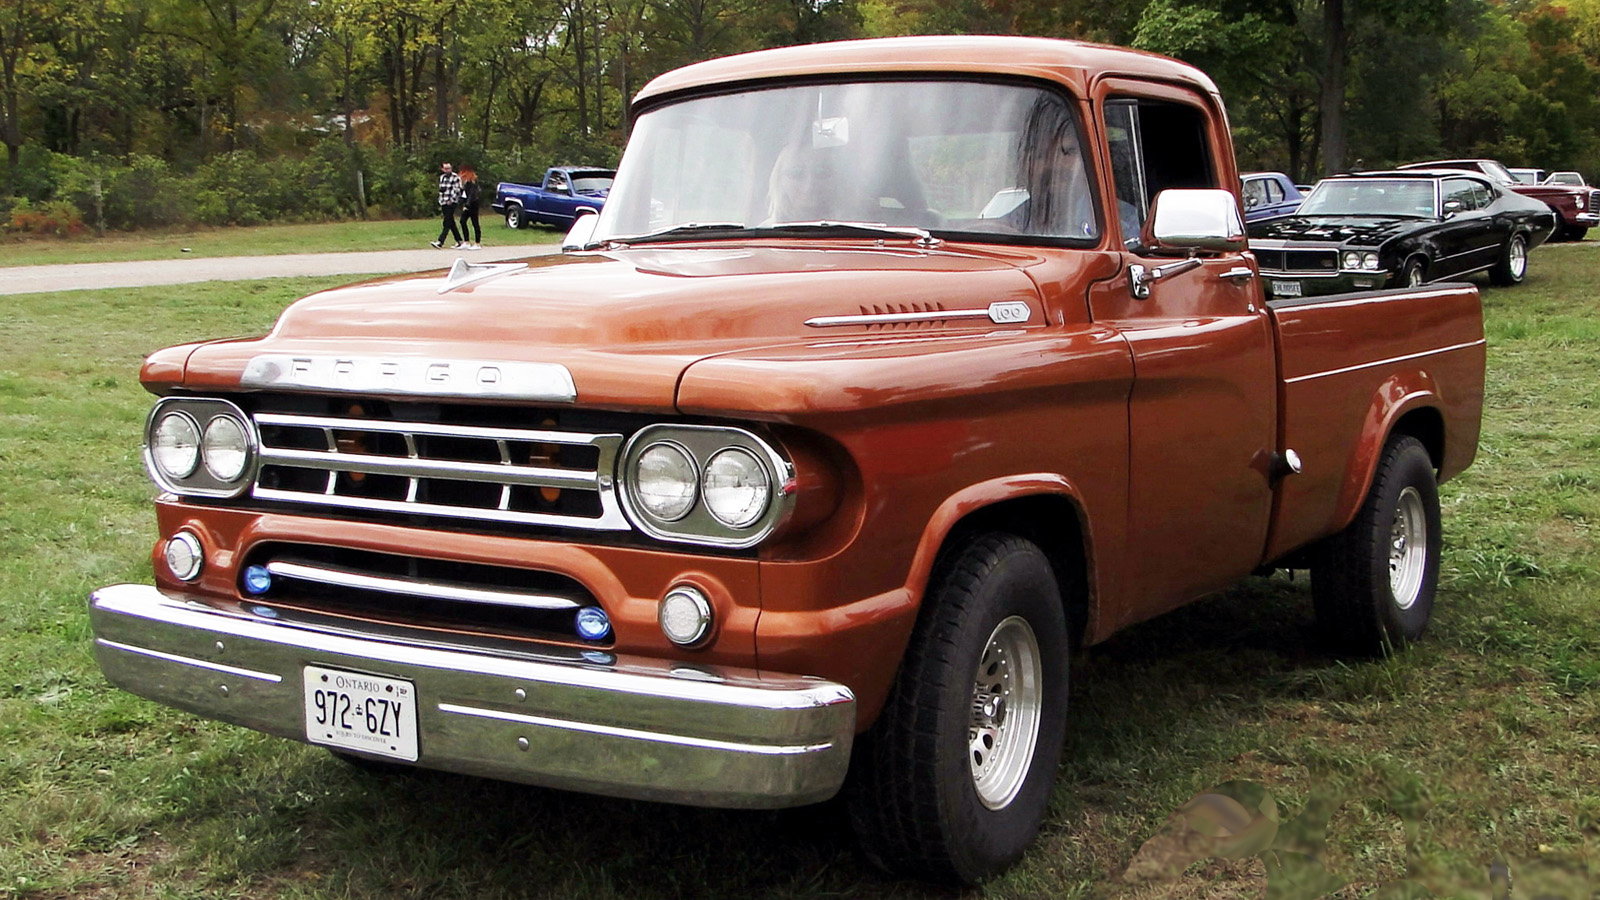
x: 950, y: 157
x: 1372, y: 197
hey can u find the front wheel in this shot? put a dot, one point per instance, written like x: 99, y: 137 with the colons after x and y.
x: 1412, y: 275
x: 1512, y: 266
x: 514, y: 217
x: 952, y: 781
x: 1373, y: 583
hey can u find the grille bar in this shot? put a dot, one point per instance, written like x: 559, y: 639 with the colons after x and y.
x: 432, y: 590
x: 331, y: 462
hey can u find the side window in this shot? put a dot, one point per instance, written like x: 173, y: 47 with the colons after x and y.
x: 1274, y: 191
x: 1255, y: 192
x: 1155, y: 145
x: 558, y: 182
x: 1481, y: 196
x: 1459, y: 190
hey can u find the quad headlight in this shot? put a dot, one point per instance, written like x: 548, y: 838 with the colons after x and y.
x: 1357, y: 261
x: 705, y: 485
x: 200, y: 447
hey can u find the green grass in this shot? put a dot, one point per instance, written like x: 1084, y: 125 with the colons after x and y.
x: 259, y: 240
x: 1479, y: 744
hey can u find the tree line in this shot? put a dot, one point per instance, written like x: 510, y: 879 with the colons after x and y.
x: 149, y: 112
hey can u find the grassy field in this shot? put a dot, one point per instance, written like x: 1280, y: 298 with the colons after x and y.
x: 1482, y: 744
x: 259, y: 240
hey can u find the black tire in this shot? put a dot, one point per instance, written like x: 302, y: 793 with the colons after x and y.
x: 514, y: 217
x: 1412, y: 275
x: 940, y: 789
x: 1373, y: 583
x: 1576, y: 232
x: 1512, y: 266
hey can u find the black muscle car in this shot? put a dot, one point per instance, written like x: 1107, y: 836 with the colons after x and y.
x: 1378, y: 229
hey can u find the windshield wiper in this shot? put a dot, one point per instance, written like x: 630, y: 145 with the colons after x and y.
x: 684, y: 230
x: 920, y: 235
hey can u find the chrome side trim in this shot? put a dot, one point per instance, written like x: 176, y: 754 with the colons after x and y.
x: 347, y: 579
x: 467, y: 378
x: 681, y: 740
x: 1002, y: 312
x: 1385, y: 362
x: 190, y: 661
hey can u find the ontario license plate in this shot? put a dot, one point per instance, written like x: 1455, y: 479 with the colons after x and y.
x: 354, y: 711
x: 1285, y: 288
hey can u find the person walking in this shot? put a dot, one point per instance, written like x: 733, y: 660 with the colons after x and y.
x: 469, y: 208
x: 449, y: 199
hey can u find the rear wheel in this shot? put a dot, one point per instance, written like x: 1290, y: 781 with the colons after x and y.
x: 1512, y: 266
x: 1373, y: 583
x: 514, y: 216
x: 952, y: 781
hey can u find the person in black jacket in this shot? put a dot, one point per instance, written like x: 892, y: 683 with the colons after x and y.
x: 449, y: 198
x: 469, y: 209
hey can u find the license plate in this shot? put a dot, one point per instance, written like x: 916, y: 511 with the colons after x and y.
x: 354, y: 711
x: 1285, y: 288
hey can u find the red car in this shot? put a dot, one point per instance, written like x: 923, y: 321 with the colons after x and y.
x: 1577, y: 208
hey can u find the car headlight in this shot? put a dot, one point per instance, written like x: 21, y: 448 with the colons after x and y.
x: 736, y: 488
x: 665, y: 481
x: 705, y: 485
x: 225, y: 448
x: 200, y: 447
x: 175, y: 444
x: 1350, y: 260
x: 1369, y: 261
x: 1580, y: 200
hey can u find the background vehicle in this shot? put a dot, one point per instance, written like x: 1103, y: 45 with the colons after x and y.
x: 1267, y: 195
x: 1571, y: 179
x: 1577, y: 208
x: 566, y: 193
x: 760, y: 489
x: 1406, y: 228
x: 1528, y: 176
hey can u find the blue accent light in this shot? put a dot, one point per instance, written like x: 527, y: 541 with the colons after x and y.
x: 257, y: 580
x: 593, y: 624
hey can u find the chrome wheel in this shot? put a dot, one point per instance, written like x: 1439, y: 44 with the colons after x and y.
x: 1517, y: 258
x: 1414, y: 275
x: 1007, y: 696
x: 1408, y: 548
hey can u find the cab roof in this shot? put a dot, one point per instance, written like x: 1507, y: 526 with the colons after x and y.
x: 1074, y: 63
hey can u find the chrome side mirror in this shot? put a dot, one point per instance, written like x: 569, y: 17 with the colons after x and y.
x: 581, y: 234
x: 1451, y: 207
x: 1186, y: 220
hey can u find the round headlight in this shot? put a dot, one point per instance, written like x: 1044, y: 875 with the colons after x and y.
x: 175, y: 445
x: 1369, y: 261
x: 665, y: 481
x: 1351, y: 259
x: 736, y: 488
x: 685, y: 616
x: 225, y: 448
x: 184, y: 556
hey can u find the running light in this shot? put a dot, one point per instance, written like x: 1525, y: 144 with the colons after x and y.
x: 593, y: 623
x: 257, y: 580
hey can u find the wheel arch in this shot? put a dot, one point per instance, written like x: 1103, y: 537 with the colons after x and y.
x: 1406, y: 403
x: 1045, y: 509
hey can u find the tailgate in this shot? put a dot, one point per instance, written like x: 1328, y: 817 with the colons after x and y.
x: 1350, y: 365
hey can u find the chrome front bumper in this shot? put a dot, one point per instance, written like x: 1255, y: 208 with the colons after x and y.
x: 626, y: 727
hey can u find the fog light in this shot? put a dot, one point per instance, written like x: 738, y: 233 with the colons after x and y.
x: 184, y: 556
x: 257, y: 580
x: 685, y: 616
x: 593, y: 623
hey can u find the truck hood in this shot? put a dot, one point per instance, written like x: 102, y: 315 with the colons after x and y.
x: 627, y: 323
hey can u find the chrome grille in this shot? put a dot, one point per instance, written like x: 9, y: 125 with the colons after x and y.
x: 1594, y: 202
x: 508, y: 475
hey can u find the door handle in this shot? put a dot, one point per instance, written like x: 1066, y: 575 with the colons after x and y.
x: 1238, y: 273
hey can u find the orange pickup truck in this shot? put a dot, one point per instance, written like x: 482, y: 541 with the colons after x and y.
x: 892, y: 372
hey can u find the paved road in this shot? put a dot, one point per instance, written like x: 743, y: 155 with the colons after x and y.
x: 84, y: 276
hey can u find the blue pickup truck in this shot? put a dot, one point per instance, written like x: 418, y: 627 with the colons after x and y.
x: 566, y: 192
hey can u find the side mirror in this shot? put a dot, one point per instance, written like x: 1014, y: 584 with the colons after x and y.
x: 1451, y: 207
x: 1185, y: 220
x: 581, y: 234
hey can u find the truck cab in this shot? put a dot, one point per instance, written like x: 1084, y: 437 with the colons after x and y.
x: 566, y: 193
x: 891, y: 374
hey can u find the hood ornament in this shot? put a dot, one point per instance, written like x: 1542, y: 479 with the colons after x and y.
x: 464, y: 273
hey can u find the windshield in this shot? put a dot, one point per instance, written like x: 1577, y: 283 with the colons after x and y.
x: 1572, y: 178
x: 946, y: 156
x: 591, y: 184
x: 1526, y: 176
x: 1371, y: 197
